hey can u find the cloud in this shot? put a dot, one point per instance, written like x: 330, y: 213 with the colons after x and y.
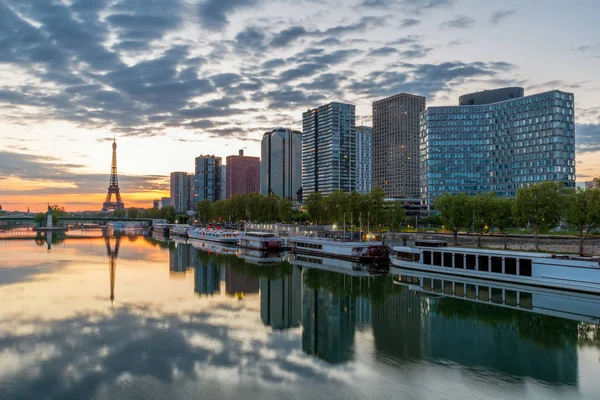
x: 589, y: 48
x: 587, y: 138
x: 407, y: 22
x: 213, y: 14
x: 30, y: 167
x: 410, y: 6
x: 382, y: 51
x: 501, y: 15
x: 458, y: 22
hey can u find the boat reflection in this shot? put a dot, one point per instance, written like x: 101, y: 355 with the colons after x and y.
x: 259, y: 257
x: 552, y: 302
x: 337, y: 265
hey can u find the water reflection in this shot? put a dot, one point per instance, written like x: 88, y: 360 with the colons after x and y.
x: 196, y: 318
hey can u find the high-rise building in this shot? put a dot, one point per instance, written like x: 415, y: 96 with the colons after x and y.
x: 207, y: 179
x: 497, y: 141
x: 243, y: 174
x: 329, y: 149
x: 281, y: 164
x: 164, y: 202
x: 364, y: 160
x: 156, y: 203
x: 223, y: 182
x: 396, y: 145
x: 180, y: 191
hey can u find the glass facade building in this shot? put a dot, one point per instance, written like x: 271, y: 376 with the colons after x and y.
x: 180, y: 191
x: 281, y: 164
x: 364, y: 159
x: 207, y: 179
x: 329, y: 149
x: 498, y: 147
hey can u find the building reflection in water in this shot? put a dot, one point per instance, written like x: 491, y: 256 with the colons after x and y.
x: 281, y: 300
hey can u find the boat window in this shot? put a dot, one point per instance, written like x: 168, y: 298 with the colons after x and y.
x: 510, y: 266
x: 510, y: 298
x: 470, y: 261
x: 459, y: 261
x: 427, y: 257
x: 459, y: 289
x: 437, y: 285
x: 413, y: 257
x: 497, y: 295
x: 437, y: 258
x: 447, y: 287
x: 525, y: 300
x: 448, y: 260
x: 427, y: 284
x: 484, y: 293
x: 320, y: 247
x: 497, y: 264
x: 471, y: 291
x: 483, y: 263
x: 525, y: 267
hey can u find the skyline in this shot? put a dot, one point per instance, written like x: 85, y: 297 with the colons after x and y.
x: 176, y: 79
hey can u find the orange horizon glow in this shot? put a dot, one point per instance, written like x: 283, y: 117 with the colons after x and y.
x: 76, y: 201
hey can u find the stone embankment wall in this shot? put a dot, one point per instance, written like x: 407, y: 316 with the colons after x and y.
x: 549, y: 244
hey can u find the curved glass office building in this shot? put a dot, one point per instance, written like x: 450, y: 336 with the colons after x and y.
x: 489, y: 145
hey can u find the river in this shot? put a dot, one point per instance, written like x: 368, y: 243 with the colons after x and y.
x: 136, y: 317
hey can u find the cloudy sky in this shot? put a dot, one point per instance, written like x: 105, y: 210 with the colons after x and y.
x: 173, y: 79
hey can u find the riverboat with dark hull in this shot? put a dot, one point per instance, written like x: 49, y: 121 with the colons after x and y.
x: 339, y: 248
x: 566, y: 272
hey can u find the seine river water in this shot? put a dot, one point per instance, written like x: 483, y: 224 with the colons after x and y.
x: 138, y: 318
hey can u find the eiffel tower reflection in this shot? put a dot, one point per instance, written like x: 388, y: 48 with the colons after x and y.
x: 112, y: 257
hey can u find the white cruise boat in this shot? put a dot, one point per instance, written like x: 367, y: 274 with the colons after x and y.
x: 226, y: 236
x: 264, y: 241
x: 344, y: 249
x: 558, y: 271
x: 180, y: 230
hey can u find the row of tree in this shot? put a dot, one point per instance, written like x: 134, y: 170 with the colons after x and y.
x: 249, y: 207
x: 539, y: 208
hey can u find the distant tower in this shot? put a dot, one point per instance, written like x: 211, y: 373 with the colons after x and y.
x: 113, y: 186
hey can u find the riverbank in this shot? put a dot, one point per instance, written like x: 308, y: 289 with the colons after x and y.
x: 547, y: 243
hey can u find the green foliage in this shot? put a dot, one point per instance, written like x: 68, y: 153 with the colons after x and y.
x: 316, y: 208
x: 167, y: 212
x: 132, y: 212
x: 57, y: 213
x: 482, y: 205
x: 539, y: 207
x: 119, y: 214
x: 582, y: 212
x: 204, y: 209
x: 502, y: 215
x: 455, y: 210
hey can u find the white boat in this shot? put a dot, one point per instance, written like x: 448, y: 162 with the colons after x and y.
x: 565, y: 272
x: 344, y: 249
x: 258, y: 257
x: 264, y: 241
x: 557, y: 303
x: 210, y: 247
x: 227, y: 236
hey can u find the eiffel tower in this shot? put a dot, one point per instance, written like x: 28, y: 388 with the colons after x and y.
x: 112, y: 257
x: 113, y: 186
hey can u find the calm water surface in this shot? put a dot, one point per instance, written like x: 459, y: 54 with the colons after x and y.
x: 133, y: 317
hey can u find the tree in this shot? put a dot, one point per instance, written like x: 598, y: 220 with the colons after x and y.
x: 285, y: 209
x: 315, y: 207
x: 132, y: 213
x: 376, y: 205
x: 502, y: 215
x: 539, y: 207
x: 396, y: 213
x: 205, y: 210
x: 455, y: 211
x: 583, y: 212
x: 483, y: 207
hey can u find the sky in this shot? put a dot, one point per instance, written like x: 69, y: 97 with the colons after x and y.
x: 174, y: 79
